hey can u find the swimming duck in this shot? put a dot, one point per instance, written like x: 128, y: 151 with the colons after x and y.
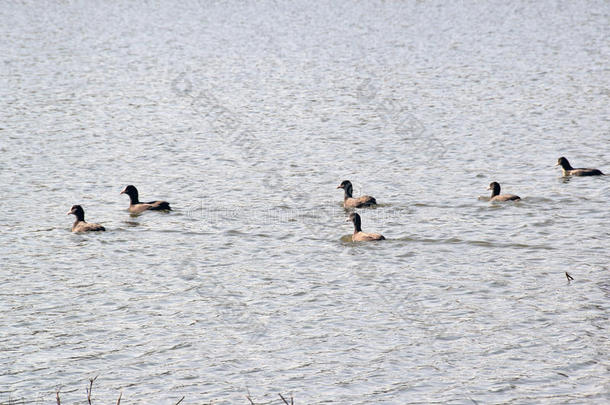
x: 136, y: 207
x: 351, y: 202
x: 358, y: 235
x: 568, y: 170
x: 80, y: 225
x: 495, y: 193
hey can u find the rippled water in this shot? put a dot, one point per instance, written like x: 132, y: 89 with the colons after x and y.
x: 246, y: 118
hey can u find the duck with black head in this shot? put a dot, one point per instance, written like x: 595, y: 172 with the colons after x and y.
x: 80, y: 225
x: 568, y: 170
x: 354, y: 202
x: 496, y: 196
x: 136, y: 207
x: 358, y: 235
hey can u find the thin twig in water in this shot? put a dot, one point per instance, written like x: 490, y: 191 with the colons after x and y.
x: 286, y: 402
x: 118, y: 402
x: 181, y: 399
x: 570, y: 278
x: 57, y: 396
x: 91, y: 380
x: 248, y: 397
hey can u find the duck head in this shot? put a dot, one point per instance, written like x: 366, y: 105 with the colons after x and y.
x: 563, y: 162
x: 78, y: 212
x: 347, y: 187
x: 132, y: 192
x: 355, y: 218
x: 495, y: 188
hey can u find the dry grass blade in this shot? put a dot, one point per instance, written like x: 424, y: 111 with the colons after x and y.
x: 118, y: 402
x: 91, y: 380
x: 57, y: 397
x: 181, y: 399
x: 21, y: 401
x: 286, y: 402
x: 248, y: 397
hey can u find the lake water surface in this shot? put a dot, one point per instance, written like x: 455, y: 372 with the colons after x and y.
x: 246, y: 117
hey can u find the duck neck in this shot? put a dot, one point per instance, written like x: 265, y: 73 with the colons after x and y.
x: 347, y: 192
x: 565, y: 165
x: 80, y: 216
x: 495, y: 190
x: 357, y: 225
x: 133, y: 197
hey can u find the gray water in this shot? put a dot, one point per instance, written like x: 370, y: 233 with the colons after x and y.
x: 246, y: 118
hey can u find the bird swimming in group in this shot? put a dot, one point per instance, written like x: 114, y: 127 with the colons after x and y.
x: 136, y: 207
x: 496, y: 196
x: 80, y: 225
x: 568, y: 170
x: 351, y: 202
x: 358, y: 235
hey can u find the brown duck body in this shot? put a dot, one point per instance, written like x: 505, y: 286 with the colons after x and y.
x: 153, y: 206
x: 137, y: 207
x: 583, y: 172
x: 80, y: 225
x: 568, y: 170
x: 496, y: 196
x: 359, y: 202
x: 360, y: 236
x: 366, y: 237
x: 506, y: 197
x: 355, y: 202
